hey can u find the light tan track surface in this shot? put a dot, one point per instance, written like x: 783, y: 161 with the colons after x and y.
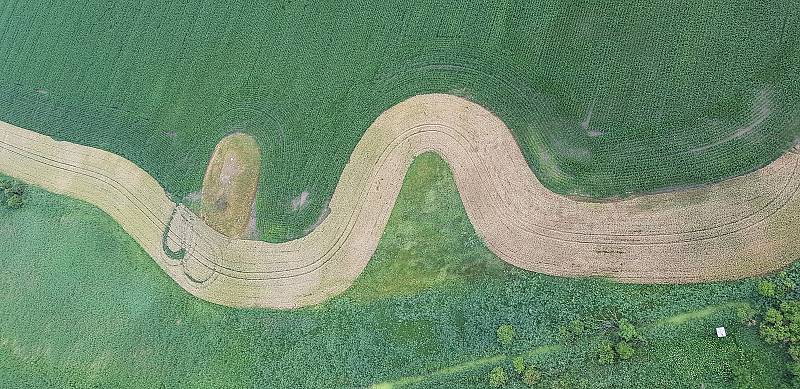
x: 741, y: 227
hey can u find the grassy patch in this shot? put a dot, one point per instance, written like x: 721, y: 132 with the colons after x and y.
x: 431, y: 242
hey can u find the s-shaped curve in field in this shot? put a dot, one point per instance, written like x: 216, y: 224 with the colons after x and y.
x: 740, y: 227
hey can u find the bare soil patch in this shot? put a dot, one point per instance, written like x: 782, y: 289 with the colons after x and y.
x: 230, y: 185
x: 300, y: 201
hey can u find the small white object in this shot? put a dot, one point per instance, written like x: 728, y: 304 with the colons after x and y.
x: 721, y: 332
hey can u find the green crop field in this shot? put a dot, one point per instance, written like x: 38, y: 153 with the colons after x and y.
x: 605, y: 98
x: 91, y: 309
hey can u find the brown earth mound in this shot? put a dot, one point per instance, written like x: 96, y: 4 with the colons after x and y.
x: 230, y: 184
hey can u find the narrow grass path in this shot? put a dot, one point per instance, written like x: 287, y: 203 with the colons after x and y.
x: 503, y: 359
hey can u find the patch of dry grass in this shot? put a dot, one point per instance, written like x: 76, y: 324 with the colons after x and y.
x: 230, y: 185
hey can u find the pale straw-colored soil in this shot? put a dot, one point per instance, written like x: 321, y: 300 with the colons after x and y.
x: 740, y: 227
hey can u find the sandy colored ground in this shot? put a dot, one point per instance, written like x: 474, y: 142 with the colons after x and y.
x: 737, y: 228
x: 230, y: 184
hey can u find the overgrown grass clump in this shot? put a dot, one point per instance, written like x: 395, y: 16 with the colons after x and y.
x: 12, y: 193
x: 434, y: 308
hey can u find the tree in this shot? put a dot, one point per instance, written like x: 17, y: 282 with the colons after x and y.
x: 498, y: 377
x: 505, y: 334
x: 519, y: 364
x: 11, y: 193
x: 576, y: 327
x: 531, y: 376
x: 746, y: 314
x: 626, y: 330
x: 14, y: 201
x: 773, y: 334
x: 605, y: 355
x: 773, y: 316
x: 794, y: 352
x: 794, y: 368
x: 624, y: 350
x: 766, y: 288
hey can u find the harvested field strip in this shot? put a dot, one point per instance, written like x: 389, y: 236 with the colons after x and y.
x: 737, y: 228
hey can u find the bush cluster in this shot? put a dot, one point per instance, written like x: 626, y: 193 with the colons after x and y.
x: 622, y: 344
x: 780, y: 318
x: 12, y: 193
x: 526, y: 373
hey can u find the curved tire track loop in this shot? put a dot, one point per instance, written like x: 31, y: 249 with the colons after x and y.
x: 737, y: 228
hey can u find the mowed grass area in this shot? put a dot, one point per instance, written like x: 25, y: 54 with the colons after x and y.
x: 606, y: 98
x: 85, y: 307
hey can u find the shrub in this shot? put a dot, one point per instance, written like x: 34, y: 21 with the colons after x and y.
x: 773, y: 316
x: 531, y: 376
x: 794, y: 352
x: 790, y: 310
x: 576, y: 327
x: 11, y: 193
x: 624, y: 350
x: 498, y: 377
x: 14, y: 201
x: 773, y: 334
x: 786, y: 283
x: 767, y: 288
x: 605, y: 355
x: 519, y: 364
x: 626, y: 330
x: 746, y: 314
x: 505, y: 334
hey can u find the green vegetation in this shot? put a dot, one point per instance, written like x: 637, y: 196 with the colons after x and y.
x: 12, y: 193
x: 531, y: 376
x: 624, y: 350
x: 528, y: 375
x: 620, y: 346
x: 90, y: 309
x: 780, y: 318
x: 519, y: 364
x: 505, y: 334
x: 498, y: 377
x: 606, y: 98
x: 606, y: 355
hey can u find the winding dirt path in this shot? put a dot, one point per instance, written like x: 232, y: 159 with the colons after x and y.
x: 740, y: 227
